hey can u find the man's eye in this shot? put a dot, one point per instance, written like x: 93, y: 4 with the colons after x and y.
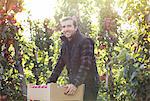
x: 63, y: 26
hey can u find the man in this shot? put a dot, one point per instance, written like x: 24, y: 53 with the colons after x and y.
x: 77, y: 53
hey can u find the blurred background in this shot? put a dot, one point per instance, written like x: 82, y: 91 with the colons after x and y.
x: 30, y: 45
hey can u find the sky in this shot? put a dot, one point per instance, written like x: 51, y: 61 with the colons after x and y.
x: 39, y: 9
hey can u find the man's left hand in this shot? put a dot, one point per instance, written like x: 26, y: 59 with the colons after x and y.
x: 70, y: 89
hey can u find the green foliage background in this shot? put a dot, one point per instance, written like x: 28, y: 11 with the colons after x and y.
x: 122, y: 46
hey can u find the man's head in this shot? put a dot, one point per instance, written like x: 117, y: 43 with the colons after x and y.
x: 68, y: 27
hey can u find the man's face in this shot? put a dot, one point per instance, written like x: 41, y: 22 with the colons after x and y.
x: 68, y: 29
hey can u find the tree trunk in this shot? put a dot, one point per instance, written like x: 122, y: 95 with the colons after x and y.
x: 20, y: 69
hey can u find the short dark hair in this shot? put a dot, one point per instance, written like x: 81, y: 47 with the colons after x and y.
x: 69, y: 18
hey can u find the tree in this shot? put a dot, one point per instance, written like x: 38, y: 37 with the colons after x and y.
x: 11, y: 56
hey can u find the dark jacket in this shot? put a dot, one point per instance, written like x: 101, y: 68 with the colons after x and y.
x: 78, y: 56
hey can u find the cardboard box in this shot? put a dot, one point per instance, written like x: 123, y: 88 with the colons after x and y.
x: 52, y: 92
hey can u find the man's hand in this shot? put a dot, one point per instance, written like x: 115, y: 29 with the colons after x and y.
x: 70, y: 89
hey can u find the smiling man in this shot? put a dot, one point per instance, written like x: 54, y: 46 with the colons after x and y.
x: 77, y: 53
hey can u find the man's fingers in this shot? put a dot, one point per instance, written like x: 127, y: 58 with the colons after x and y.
x: 71, y: 92
x: 67, y: 89
x: 70, y: 89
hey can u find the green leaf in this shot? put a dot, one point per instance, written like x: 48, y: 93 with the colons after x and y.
x: 133, y: 76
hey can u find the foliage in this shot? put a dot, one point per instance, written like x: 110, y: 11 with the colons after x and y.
x: 122, y: 53
x: 136, y: 42
x: 12, y: 81
x: 39, y: 52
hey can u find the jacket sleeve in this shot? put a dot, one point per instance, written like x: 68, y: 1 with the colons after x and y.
x: 87, y: 52
x: 58, y: 68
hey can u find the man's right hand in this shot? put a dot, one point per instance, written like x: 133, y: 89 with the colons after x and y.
x: 70, y: 89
